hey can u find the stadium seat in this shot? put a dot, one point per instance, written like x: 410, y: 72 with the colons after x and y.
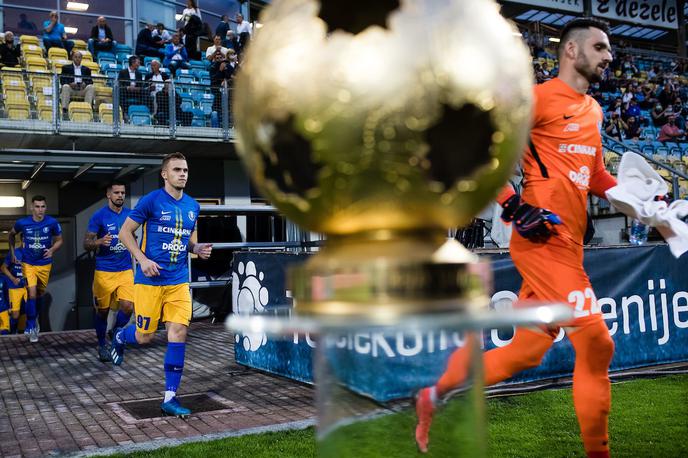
x: 57, y: 53
x: 198, y: 119
x: 105, y: 113
x: 186, y: 101
x: 58, y: 64
x: 17, y: 109
x: 106, y: 57
x: 122, y: 49
x: 139, y: 115
x: 31, y: 50
x: 40, y: 95
x: 111, y: 70
x: 204, y: 102
x: 86, y: 56
x: 122, y: 58
x: 81, y: 46
x: 203, y: 77
x: 34, y: 63
x: 14, y: 93
x: 99, y: 80
x: 662, y: 151
x: 144, y: 71
x: 12, y: 76
x: 45, y: 110
x: 92, y: 66
x: 80, y: 112
x: 197, y: 65
x: 39, y: 80
x: 103, y: 94
x: 29, y: 40
x: 182, y: 75
x: 148, y: 59
x: 648, y: 150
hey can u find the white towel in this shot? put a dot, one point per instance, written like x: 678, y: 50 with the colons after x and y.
x: 637, y: 186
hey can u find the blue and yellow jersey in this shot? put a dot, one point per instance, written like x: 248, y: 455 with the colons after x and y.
x: 37, y: 236
x: 15, y: 269
x: 113, y: 258
x: 167, y: 226
x: 4, y: 300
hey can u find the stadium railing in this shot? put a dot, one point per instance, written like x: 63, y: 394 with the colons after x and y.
x: 189, y: 108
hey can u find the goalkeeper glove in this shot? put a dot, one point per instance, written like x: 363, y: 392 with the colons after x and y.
x: 533, y: 223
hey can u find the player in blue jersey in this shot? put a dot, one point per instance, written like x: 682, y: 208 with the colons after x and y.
x: 113, y: 280
x: 4, y: 308
x: 161, y: 284
x: 16, y: 288
x: 41, y: 236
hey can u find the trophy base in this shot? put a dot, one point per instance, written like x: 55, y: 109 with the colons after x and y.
x: 385, y: 275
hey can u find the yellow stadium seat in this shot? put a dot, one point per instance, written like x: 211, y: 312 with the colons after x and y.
x: 14, y: 94
x: 92, y: 65
x: 102, y: 95
x: 45, y: 110
x: 57, y: 65
x: 80, y: 45
x: 57, y: 53
x: 80, y: 112
x: 99, y: 80
x: 105, y: 113
x: 36, y: 63
x: 86, y: 56
x: 31, y: 50
x: 18, y: 110
x: 42, y: 94
x: 29, y: 40
x: 40, y: 80
x: 10, y: 77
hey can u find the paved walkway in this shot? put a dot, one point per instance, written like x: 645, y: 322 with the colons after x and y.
x: 57, y: 398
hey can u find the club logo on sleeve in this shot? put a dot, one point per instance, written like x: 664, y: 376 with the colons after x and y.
x: 581, y: 178
x: 192, y: 215
x: 250, y: 297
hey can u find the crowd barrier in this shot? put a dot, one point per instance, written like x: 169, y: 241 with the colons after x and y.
x: 642, y: 293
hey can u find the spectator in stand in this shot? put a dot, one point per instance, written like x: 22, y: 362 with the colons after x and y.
x: 244, y: 31
x: 176, y: 55
x: 161, y: 35
x: 222, y: 69
x: 616, y: 106
x: 667, y: 96
x: 76, y: 81
x: 216, y: 49
x: 632, y: 129
x: 628, y: 68
x: 649, y: 99
x: 545, y: 71
x: 193, y: 27
x: 131, y: 88
x: 54, y: 34
x: 146, y: 45
x: 616, y: 126
x: 101, y: 38
x: 223, y: 27
x: 670, y: 131
x: 25, y: 25
x: 157, y: 90
x: 659, y: 115
x: 230, y: 41
x: 10, y: 53
x: 633, y: 111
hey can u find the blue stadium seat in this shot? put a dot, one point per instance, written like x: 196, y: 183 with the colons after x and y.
x: 123, y: 58
x: 648, y: 150
x: 198, y: 119
x: 197, y: 65
x: 662, y: 151
x: 187, y: 102
x: 203, y: 76
x: 182, y: 75
x: 148, y: 59
x: 204, y: 101
x: 144, y: 71
x: 139, y: 115
x: 123, y: 49
x: 106, y: 58
x: 111, y: 70
x: 675, y: 151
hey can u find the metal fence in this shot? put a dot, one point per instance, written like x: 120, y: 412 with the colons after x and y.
x: 46, y: 102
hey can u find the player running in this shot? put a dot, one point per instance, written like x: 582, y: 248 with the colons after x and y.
x: 562, y: 164
x: 113, y: 281
x: 161, y: 285
x: 16, y: 288
x: 41, y: 237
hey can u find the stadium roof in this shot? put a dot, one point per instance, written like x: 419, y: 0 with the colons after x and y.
x: 559, y: 19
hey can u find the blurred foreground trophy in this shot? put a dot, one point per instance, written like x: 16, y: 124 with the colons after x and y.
x: 381, y: 124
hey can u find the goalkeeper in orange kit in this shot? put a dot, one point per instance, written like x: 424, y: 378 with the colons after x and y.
x: 562, y: 164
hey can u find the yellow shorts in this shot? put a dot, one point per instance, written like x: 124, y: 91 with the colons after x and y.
x: 172, y: 303
x: 36, y: 275
x: 4, y: 321
x: 17, y: 296
x: 111, y: 287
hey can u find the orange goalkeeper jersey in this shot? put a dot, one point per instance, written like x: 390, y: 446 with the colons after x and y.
x: 564, y: 157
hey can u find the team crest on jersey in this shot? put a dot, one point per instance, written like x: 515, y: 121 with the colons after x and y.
x: 572, y: 127
x: 46, y: 229
x: 192, y: 215
x: 581, y: 178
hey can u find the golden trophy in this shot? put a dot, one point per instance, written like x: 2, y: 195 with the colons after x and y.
x: 382, y: 124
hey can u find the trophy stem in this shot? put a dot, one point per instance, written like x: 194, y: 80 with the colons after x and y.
x: 385, y: 275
